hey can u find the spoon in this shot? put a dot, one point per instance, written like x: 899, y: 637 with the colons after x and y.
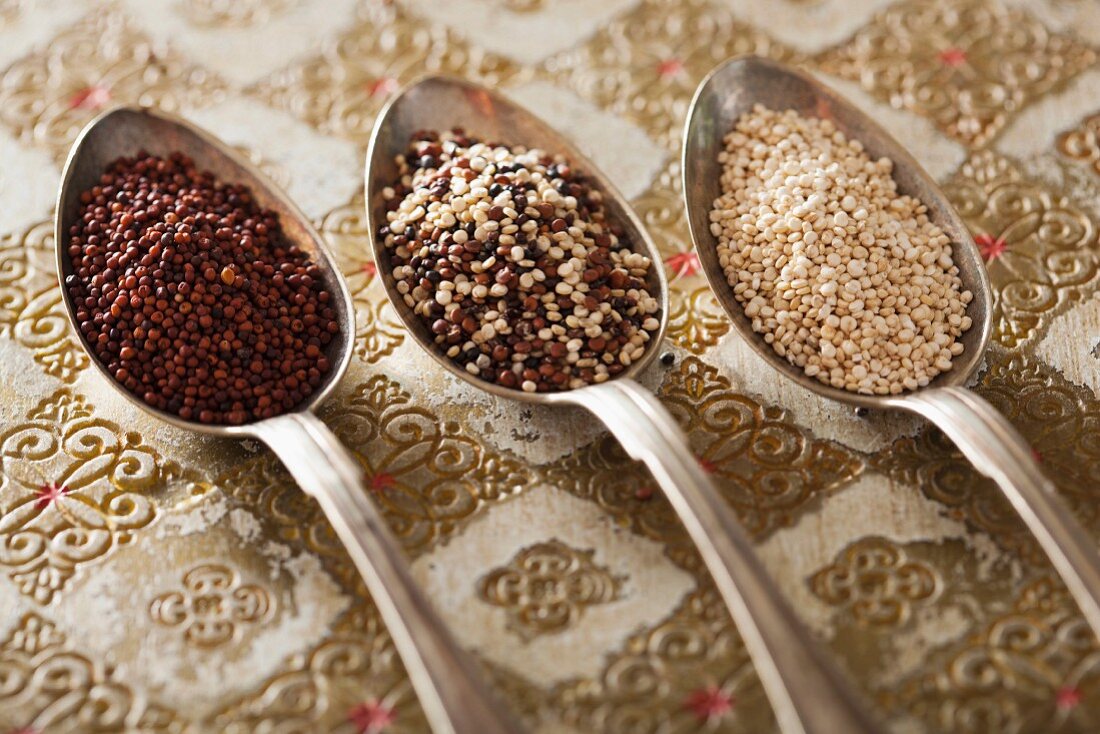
x: 984, y: 436
x: 806, y: 691
x: 444, y: 677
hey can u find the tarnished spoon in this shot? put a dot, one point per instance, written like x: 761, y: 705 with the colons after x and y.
x: 989, y: 441
x: 807, y: 692
x: 447, y: 682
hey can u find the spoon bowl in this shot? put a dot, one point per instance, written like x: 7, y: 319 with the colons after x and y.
x: 733, y: 89
x: 808, y: 694
x: 123, y: 131
x: 441, y: 103
x: 980, y: 432
x: 445, y: 679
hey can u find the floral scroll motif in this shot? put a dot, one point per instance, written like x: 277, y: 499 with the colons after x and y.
x: 378, y: 331
x: 876, y: 581
x: 653, y: 683
x: 546, y: 587
x: 1060, y: 419
x: 233, y: 13
x: 58, y: 689
x: 768, y: 468
x: 1032, y: 669
x: 1042, y: 250
x: 1082, y: 143
x: 645, y: 65
x: 74, y: 486
x: 342, y: 685
x: 969, y: 66
x: 31, y: 312
x: 428, y: 475
x: 213, y: 606
x: 45, y: 98
x: 341, y: 90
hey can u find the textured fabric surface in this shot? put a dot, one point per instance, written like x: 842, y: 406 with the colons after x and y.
x: 155, y: 581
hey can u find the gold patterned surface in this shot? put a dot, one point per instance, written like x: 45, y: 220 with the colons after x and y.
x: 243, y: 612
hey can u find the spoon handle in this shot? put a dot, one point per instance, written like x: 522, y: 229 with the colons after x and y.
x: 445, y: 678
x: 997, y: 450
x: 808, y: 693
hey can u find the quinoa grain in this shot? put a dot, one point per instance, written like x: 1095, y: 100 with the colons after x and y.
x: 844, y: 277
x: 508, y: 256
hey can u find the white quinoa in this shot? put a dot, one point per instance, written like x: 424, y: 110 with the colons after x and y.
x: 844, y: 276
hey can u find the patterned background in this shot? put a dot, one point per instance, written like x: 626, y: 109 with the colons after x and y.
x: 153, y: 581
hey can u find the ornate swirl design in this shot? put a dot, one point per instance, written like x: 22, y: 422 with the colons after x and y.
x: 46, y: 97
x: 340, y: 91
x: 378, y: 331
x: 970, y: 66
x: 645, y: 64
x: 31, y: 312
x: 876, y: 581
x: 213, y: 606
x: 767, y: 467
x: 233, y: 13
x: 546, y: 587
x: 56, y: 688
x: 1041, y: 249
x: 73, y: 487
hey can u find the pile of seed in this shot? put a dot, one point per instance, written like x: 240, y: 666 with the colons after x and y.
x: 509, y: 258
x: 844, y: 276
x: 190, y: 295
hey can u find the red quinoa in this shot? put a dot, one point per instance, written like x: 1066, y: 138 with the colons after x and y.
x: 191, y: 296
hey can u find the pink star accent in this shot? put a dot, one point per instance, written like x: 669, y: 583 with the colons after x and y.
x: 990, y: 246
x: 709, y: 703
x: 381, y: 481
x: 953, y: 57
x: 383, y: 86
x: 1067, y: 698
x: 50, y: 493
x: 643, y: 493
x: 669, y: 68
x: 90, y: 98
x: 371, y: 717
x: 684, y: 264
x: 708, y: 466
x: 370, y: 269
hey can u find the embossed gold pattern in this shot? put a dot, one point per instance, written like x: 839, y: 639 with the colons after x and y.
x: 213, y: 605
x: 31, y: 313
x: 769, y: 469
x: 340, y: 91
x: 546, y: 587
x: 876, y: 581
x: 74, y: 486
x: 1081, y: 143
x: 49, y: 686
x: 1041, y: 249
x: 964, y: 634
x: 45, y: 98
x: 645, y: 65
x: 233, y: 13
x: 969, y: 66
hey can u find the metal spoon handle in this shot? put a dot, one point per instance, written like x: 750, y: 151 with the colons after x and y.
x: 996, y: 449
x: 807, y: 692
x: 446, y: 680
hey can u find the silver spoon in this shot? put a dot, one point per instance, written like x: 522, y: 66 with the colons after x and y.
x: 447, y: 682
x: 983, y: 435
x: 806, y: 691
